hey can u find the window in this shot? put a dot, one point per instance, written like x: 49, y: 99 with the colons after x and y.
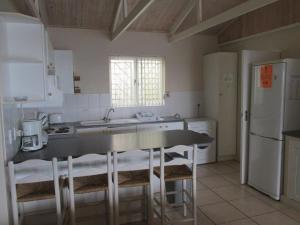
x: 137, y: 81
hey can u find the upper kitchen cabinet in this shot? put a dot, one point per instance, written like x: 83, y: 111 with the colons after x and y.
x: 64, y: 70
x: 22, y: 58
x: 220, y: 99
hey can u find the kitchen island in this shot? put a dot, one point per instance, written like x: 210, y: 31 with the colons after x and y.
x: 80, y: 144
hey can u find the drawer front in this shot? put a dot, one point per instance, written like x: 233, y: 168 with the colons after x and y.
x: 160, y: 126
x: 91, y: 130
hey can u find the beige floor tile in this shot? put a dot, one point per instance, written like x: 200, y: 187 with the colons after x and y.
x: 215, y: 181
x: 252, y: 206
x: 231, y: 192
x: 241, y: 222
x: 201, y: 186
x: 206, y: 196
x: 222, y: 212
x: 221, y: 168
x: 268, y: 200
x: 275, y: 218
x: 234, y: 164
x: 202, y: 219
x: 204, y: 172
x: 233, y: 178
x: 293, y: 213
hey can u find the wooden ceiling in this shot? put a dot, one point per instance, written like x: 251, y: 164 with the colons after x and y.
x: 99, y: 14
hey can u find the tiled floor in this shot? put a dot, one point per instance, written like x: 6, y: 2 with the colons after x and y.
x: 222, y: 200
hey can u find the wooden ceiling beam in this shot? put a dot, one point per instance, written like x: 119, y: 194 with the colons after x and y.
x: 132, y: 16
x: 117, y: 15
x: 38, y: 10
x: 199, y: 10
x: 223, y: 17
x: 125, y: 9
x: 184, y: 13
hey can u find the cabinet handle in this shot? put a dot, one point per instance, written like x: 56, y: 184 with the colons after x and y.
x: 49, y: 94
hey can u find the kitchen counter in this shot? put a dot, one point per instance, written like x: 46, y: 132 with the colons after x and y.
x: 77, y: 145
x: 294, y: 133
x: 124, y: 124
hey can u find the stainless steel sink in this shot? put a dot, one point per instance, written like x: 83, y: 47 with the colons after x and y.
x: 102, y: 122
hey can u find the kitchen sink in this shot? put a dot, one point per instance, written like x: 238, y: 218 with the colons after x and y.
x: 102, y: 122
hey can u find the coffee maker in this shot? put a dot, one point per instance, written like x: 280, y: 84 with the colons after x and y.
x: 32, y: 138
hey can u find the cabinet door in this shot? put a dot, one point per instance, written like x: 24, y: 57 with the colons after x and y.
x: 293, y: 184
x: 64, y: 70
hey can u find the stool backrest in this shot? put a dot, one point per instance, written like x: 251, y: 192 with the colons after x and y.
x: 88, y: 165
x: 132, y: 160
x: 179, y: 155
x: 34, y: 170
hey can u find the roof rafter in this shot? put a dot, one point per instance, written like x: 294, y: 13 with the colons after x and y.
x: 132, y: 16
x: 184, y: 13
x: 223, y: 17
x: 38, y: 9
x: 117, y: 15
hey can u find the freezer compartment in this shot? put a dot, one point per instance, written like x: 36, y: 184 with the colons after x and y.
x: 265, y: 165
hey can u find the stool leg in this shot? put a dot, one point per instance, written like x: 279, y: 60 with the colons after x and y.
x: 162, y: 186
x: 150, y: 188
x: 184, y: 197
x: 116, y: 188
x: 110, y: 189
x: 145, y: 201
x: 195, y: 184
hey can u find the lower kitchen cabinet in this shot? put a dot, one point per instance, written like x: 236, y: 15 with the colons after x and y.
x: 292, y: 168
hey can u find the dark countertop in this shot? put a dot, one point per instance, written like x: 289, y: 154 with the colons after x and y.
x: 293, y: 133
x: 78, y: 145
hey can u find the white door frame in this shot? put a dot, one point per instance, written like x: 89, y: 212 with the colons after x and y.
x: 4, y: 212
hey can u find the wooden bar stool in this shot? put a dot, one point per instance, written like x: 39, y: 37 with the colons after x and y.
x: 134, y: 169
x: 180, y: 168
x: 87, y: 174
x: 34, y: 180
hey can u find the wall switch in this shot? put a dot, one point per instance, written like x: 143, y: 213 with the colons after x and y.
x: 10, y: 139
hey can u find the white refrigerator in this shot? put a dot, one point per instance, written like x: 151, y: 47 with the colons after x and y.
x: 275, y: 107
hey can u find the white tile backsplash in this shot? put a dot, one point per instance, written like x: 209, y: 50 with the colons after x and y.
x: 11, y: 117
x: 94, y: 106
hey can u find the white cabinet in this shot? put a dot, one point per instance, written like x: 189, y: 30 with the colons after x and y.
x: 220, y: 99
x: 160, y: 126
x: 53, y: 95
x: 292, y: 168
x: 23, y: 69
x: 64, y: 70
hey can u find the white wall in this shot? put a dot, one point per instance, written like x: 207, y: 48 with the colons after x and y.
x: 92, y: 49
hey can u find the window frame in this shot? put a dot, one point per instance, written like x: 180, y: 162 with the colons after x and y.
x: 136, y: 99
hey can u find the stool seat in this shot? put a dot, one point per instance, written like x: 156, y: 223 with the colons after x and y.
x: 173, y: 173
x: 134, y: 178
x: 88, y: 184
x: 35, y: 191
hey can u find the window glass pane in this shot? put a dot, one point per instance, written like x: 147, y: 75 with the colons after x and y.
x: 122, y: 82
x: 137, y: 81
x: 150, y: 76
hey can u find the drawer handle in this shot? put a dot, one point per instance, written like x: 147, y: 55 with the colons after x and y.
x: 202, y: 147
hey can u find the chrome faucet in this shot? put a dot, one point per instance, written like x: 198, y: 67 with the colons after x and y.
x: 106, y: 117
